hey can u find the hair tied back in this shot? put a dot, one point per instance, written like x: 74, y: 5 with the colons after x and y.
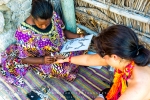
x: 139, y: 48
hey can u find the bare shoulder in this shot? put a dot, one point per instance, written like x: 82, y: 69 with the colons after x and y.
x: 141, y: 82
x: 142, y: 73
x: 144, y: 80
x: 138, y: 86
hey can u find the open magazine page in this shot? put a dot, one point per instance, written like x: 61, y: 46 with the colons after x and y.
x: 77, y: 44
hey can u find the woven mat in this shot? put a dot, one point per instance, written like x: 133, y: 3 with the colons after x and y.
x: 87, y: 85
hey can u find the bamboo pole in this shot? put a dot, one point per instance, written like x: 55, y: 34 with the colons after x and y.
x: 120, y: 11
x: 69, y: 15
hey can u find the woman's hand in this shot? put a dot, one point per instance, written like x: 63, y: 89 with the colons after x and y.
x: 60, y: 59
x: 49, y: 60
x: 70, y: 35
x: 81, y: 35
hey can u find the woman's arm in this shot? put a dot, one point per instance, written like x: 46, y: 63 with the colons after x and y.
x: 33, y: 60
x: 38, y: 60
x: 70, y: 35
x: 86, y: 60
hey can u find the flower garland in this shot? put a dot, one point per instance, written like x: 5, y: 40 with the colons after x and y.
x: 120, y: 79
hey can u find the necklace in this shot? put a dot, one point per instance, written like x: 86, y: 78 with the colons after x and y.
x: 35, y: 30
x: 120, y: 79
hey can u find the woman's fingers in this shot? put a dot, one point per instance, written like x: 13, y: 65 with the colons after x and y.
x: 81, y: 35
x: 49, y: 59
x: 55, y: 59
x: 60, y: 57
x: 60, y: 61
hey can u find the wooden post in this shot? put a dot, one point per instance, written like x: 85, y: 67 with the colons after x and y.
x: 69, y: 15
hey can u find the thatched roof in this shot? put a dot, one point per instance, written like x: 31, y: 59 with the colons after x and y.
x: 99, y: 14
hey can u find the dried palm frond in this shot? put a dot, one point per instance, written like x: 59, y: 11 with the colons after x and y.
x: 97, y: 23
x: 116, y: 19
x: 137, y: 6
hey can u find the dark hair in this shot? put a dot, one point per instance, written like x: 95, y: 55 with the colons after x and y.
x: 41, y: 9
x: 122, y: 41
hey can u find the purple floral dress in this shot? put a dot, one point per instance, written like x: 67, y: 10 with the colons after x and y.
x: 32, y: 42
